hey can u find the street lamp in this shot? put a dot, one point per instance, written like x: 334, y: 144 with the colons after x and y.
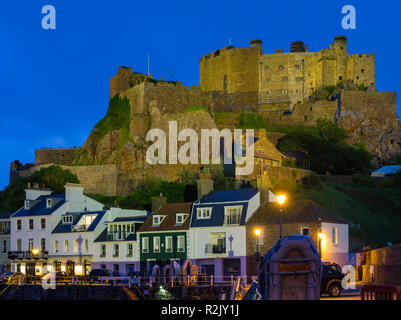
x: 281, y: 199
x: 35, y: 252
x: 257, y: 234
x: 322, y: 242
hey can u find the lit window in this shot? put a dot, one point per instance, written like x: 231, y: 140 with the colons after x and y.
x: 334, y: 237
x: 86, y: 245
x: 145, y: 245
x: 169, y: 244
x: 65, y: 245
x: 156, y: 244
x: 181, y: 244
x: 232, y: 215
x: 56, y: 246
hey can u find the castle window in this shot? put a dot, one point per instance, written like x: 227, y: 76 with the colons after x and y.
x: 266, y: 68
x: 267, y: 91
x: 340, y: 78
x: 297, y: 66
x: 267, y: 79
x: 285, y: 78
x: 300, y: 79
x: 362, y: 70
x: 280, y: 67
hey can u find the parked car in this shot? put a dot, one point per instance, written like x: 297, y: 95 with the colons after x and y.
x: 11, y: 277
x: 96, y: 273
x: 331, y: 279
x: 61, y: 276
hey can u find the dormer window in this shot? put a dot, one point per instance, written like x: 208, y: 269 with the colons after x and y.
x: 157, y: 220
x: 67, y: 219
x: 26, y: 204
x: 180, y: 218
x: 204, y: 213
x: 232, y: 215
x: 48, y: 203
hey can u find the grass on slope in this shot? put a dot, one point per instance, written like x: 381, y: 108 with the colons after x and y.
x: 376, y: 209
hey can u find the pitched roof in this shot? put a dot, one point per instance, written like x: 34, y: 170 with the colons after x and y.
x: 228, y: 195
x: 103, y: 237
x: 130, y: 219
x: 38, y: 207
x: 218, y: 200
x: 169, y: 222
x: 296, y: 211
x: 5, y: 215
x: 68, y: 227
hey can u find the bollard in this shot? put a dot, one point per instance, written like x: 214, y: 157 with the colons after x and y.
x: 172, y: 281
x: 211, y: 280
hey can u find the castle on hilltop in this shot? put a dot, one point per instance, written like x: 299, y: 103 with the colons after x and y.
x: 282, y: 88
x: 283, y: 77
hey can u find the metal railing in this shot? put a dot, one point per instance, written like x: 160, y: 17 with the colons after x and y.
x: 12, y: 255
x: 215, y: 249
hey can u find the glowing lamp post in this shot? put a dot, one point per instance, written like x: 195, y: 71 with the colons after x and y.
x: 281, y: 199
x: 322, y: 242
x: 35, y: 252
x: 257, y: 234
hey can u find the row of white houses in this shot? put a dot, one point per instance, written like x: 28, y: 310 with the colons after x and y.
x: 74, y: 233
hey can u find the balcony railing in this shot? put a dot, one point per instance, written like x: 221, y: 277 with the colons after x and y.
x: 115, y: 236
x: 215, y: 249
x: 12, y: 255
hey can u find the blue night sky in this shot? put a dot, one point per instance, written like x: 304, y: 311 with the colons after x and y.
x: 54, y: 84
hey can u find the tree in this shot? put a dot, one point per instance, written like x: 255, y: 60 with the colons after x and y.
x: 53, y: 178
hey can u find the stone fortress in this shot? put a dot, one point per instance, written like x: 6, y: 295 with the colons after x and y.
x: 282, y: 77
x: 284, y: 88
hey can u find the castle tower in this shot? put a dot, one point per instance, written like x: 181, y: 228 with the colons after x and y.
x: 340, y: 43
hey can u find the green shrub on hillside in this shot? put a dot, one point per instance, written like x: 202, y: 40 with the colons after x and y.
x: 53, y: 177
x: 117, y: 117
x: 325, y: 149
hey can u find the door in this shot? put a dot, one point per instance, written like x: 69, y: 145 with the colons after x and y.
x: 30, y: 268
x: 231, y: 267
x: 70, y: 268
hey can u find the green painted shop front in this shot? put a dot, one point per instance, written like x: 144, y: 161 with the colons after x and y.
x: 150, y: 257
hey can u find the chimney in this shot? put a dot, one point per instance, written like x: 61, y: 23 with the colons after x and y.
x: 205, y: 184
x: 34, y: 193
x: 74, y: 192
x: 262, y: 134
x: 157, y: 202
